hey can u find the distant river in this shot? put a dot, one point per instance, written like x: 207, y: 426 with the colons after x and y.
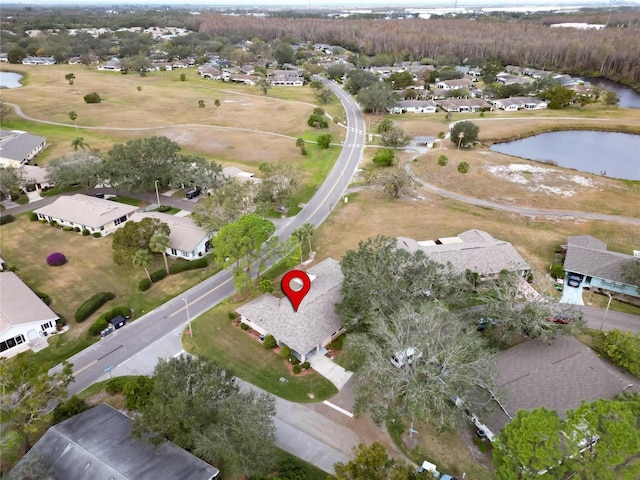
x: 629, y: 98
x: 10, y: 80
x: 617, y: 154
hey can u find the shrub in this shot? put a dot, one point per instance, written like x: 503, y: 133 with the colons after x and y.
x: 164, y: 208
x: 138, y: 391
x: 557, y: 270
x: 232, y: 315
x: 318, y: 111
x: 44, y: 297
x: 265, y: 285
x: 56, y: 259
x: 284, y: 352
x: 92, y: 97
x: 463, y: 167
x: 97, y: 234
x: 33, y: 216
x: 306, y: 365
x: 443, y: 160
x: 85, y: 232
x: 144, y: 285
x: 76, y: 229
x: 184, y: 265
x: 297, y: 369
x: 384, y: 157
x: 292, y: 469
x: 4, y: 219
x: 270, y: 342
x: 115, y: 385
x: 42, y: 220
x: 61, y: 320
x: 98, y: 326
x: 244, y: 326
x: 68, y: 409
x: 158, y: 275
x: 93, y: 304
x: 324, y: 141
x: 317, y: 121
x: 293, y: 360
x: 67, y: 228
x: 622, y: 348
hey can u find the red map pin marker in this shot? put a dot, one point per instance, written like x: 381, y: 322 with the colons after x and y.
x: 296, y: 296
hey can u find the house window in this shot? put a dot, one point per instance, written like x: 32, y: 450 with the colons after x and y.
x: 44, y: 326
x: 120, y: 220
x: 174, y: 252
x: 11, y: 342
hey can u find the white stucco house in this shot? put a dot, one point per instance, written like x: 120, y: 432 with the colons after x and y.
x: 414, y: 106
x: 24, y: 317
x: 18, y: 148
x: 87, y: 212
x: 186, y: 239
x: 313, y: 326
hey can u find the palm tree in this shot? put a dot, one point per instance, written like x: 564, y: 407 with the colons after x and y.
x: 79, y: 142
x: 302, y: 233
x: 158, y: 243
x: 72, y: 116
x: 216, y: 102
x: 142, y: 259
x: 441, y: 136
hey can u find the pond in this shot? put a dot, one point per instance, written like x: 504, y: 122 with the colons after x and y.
x: 612, y: 154
x: 10, y: 80
x: 629, y: 98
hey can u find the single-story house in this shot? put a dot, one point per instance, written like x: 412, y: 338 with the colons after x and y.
x: 414, y: 106
x: 113, y: 65
x: 516, y: 103
x: 473, y: 250
x: 186, y: 239
x: 508, y: 79
x: 38, y: 61
x: 24, y: 317
x: 209, y: 71
x: 235, y: 172
x: 97, y: 445
x: 36, y: 176
x: 455, y: 84
x: 286, y: 78
x: 313, y: 326
x: 558, y: 377
x: 601, y: 269
x: 87, y: 212
x: 242, y: 78
x: 464, y: 105
x: 18, y: 147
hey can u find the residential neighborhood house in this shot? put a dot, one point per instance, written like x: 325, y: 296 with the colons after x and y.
x: 97, y: 445
x: 414, y: 106
x: 473, y: 250
x: 87, y: 213
x: 24, y: 317
x: 18, y: 147
x: 186, y: 239
x: 516, y: 103
x: 313, y: 326
x: 601, y: 269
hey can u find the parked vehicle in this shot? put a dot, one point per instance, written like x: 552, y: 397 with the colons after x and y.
x: 194, y: 192
x: 406, y: 357
x: 560, y: 318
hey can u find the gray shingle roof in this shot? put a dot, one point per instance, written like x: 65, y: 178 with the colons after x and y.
x: 86, y: 210
x: 185, y: 234
x: 19, y: 305
x: 315, y: 319
x: 558, y: 376
x: 97, y: 445
x: 588, y: 256
x: 17, y: 146
x: 477, y: 251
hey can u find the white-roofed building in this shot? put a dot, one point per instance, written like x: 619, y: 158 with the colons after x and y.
x: 87, y: 213
x: 24, y: 317
x: 18, y: 147
x: 186, y: 239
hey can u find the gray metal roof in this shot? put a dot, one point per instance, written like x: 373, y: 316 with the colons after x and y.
x: 97, y: 445
x: 477, y: 251
x: 588, y: 256
x: 19, y: 305
x: 315, y: 319
x: 17, y: 145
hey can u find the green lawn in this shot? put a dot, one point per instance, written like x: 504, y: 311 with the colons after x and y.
x: 127, y: 200
x: 215, y: 336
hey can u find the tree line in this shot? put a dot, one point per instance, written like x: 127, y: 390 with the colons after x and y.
x: 611, y: 52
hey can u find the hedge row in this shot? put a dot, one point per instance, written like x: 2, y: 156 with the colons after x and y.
x: 144, y: 285
x: 6, y: 219
x: 184, y: 265
x: 158, y: 275
x: 93, y: 304
x: 103, y: 321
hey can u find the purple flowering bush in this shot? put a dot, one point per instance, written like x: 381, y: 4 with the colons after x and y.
x: 56, y: 259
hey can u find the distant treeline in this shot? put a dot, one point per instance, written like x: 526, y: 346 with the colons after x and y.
x: 611, y: 53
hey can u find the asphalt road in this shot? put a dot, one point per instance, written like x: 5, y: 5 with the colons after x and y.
x: 136, y: 348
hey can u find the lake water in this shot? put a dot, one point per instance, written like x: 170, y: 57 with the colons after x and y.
x: 629, y: 98
x: 617, y: 154
x: 10, y: 80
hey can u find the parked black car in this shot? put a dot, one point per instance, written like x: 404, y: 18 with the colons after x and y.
x: 194, y: 192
